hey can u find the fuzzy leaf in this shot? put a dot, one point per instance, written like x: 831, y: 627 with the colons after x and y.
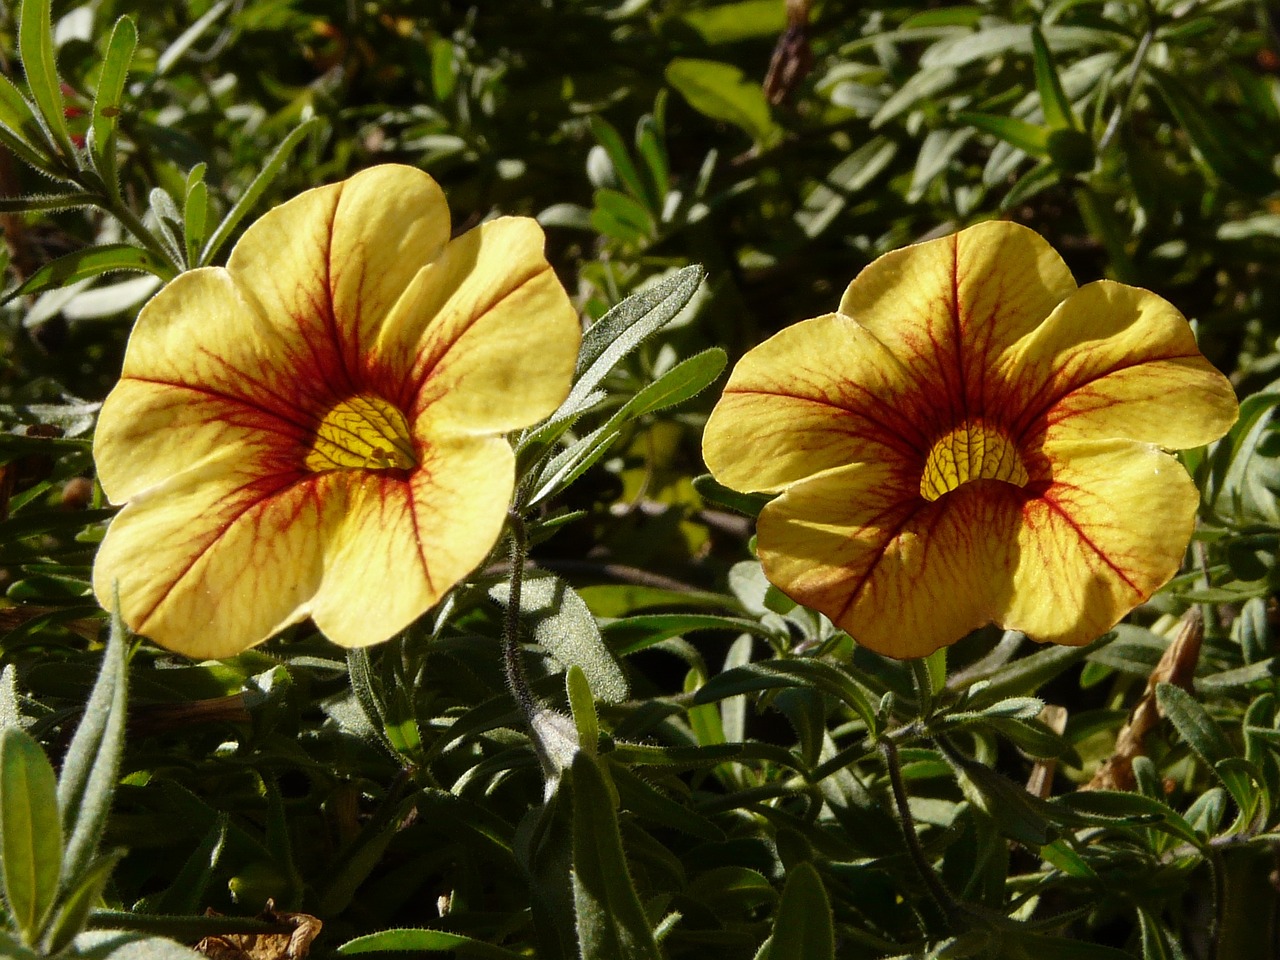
x: 30, y: 834
x: 611, y: 922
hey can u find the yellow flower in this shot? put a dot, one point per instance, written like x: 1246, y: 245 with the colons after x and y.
x: 972, y: 439
x: 316, y: 430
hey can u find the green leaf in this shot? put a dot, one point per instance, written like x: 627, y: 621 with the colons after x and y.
x: 623, y: 166
x: 1194, y: 724
x: 683, y: 381
x: 88, y: 778
x: 631, y: 634
x: 611, y: 922
x: 10, y: 713
x: 48, y: 201
x: 195, y: 212
x: 270, y: 170
x: 90, y: 262
x: 1026, y: 675
x: 20, y: 130
x: 722, y: 92
x: 583, y: 707
x: 30, y: 833
x: 187, y: 890
x: 1028, y: 137
x: 79, y: 900
x: 564, y: 626
x: 803, y: 926
x: 798, y: 672
x: 1158, y: 942
x: 713, y: 491
x: 35, y: 49
x: 411, y: 940
x: 108, y: 99
x: 186, y: 40
x: 1234, y: 157
x: 629, y: 324
x: 1058, y: 114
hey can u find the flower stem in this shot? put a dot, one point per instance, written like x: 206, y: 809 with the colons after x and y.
x: 933, y: 883
x: 513, y: 666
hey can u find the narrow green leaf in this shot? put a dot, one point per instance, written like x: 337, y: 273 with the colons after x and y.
x: 685, y: 380
x: 10, y: 714
x: 611, y: 922
x: 186, y: 892
x: 1028, y: 137
x: 88, y: 778
x: 1227, y: 150
x: 35, y: 49
x: 186, y: 40
x: 270, y: 170
x: 90, y: 262
x: 46, y: 202
x: 647, y: 802
x: 1026, y: 675
x: 803, y: 927
x: 195, y: 212
x: 583, y: 707
x: 30, y: 834
x: 625, y: 327
x: 654, y: 153
x: 79, y: 900
x: 623, y: 166
x: 1058, y: 114
x: 1194, y: 724
x: 565, y: 627
x: 798, y: 672
x: 711, y: 490
x: 108, y: 99
x: 20, y: 130
x: 432, y: 941
x: 1158, y: 943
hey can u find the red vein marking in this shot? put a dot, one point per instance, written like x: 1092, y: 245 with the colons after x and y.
x: 412, y: 498
x: 266, y: 411
x: 1088, y: 541
x: 1047, y: 407
x: 226, y: 526
x: 476, y: 316
x: 912, y: 444
x: 894, y: 533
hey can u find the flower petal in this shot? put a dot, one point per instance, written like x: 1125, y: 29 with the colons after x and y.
x: 1119, y: 361
x: 819, y: 394
x: 484, y: 339
x: 1109, y: 531
x: 423, y: 534
x: 948, y: 309
x: 327, y: 267
x: 902, y: 575
x: 198, y: 378
x: 218, y: 558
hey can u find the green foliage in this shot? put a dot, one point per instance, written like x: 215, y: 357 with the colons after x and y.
x: 700, y: 767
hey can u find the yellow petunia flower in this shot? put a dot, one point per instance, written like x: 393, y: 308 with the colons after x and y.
x: 971, y: 439
x: 316, y: 430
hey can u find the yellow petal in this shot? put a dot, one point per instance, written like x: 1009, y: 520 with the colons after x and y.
x: 820, y: 394
x: 402, y: 544
x: 218, y: 558
x: 949, y: 308
x: 1109, y: 531
x: 200, y: 375
x: 902, y: 575
x: 485, y: 339
x: 327, y: 266
x: 1118, y: 361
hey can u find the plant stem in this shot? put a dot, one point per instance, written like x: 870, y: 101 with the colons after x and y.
x: 937, y: 891
x: 513, y: 666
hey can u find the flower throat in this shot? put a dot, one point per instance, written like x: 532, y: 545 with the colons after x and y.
x: 972, y: 451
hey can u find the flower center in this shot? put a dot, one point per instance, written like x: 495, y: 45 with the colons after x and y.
x: 363, y: 432
x: 972, y: 451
